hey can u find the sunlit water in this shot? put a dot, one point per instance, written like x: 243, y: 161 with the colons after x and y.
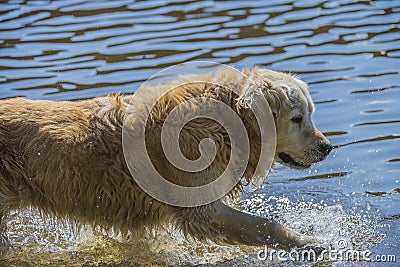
x: 347, y: 51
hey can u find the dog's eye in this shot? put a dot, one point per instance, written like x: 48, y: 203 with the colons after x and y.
x: 297, y: 119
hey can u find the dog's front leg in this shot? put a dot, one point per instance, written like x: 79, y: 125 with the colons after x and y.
x: 236, y: 227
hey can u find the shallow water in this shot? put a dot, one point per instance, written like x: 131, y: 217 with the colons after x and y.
x: 348, y: 52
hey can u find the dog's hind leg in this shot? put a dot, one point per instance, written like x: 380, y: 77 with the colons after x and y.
x: 4, y: 243
x: 8, y: 200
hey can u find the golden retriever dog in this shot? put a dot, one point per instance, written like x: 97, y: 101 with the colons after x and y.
x: 65, y: 158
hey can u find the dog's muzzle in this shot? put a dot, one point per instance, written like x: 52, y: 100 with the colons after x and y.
x: 286, y: 158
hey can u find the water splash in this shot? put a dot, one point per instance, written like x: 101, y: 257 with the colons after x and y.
x: 331, y: 222
x: 44, y: 240
x: 37, y: 239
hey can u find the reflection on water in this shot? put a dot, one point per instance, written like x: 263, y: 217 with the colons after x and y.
x: 348, y: 51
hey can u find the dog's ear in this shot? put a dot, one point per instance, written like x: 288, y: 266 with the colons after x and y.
x: 273, y: 101
x: 276, y: 97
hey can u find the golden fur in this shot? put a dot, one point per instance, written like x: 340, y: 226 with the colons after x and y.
x: 66, y: 159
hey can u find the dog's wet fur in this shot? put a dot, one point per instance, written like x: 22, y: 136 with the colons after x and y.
x: 66, y: 159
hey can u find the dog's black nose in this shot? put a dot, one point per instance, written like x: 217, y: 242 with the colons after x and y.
x: 325, y: 148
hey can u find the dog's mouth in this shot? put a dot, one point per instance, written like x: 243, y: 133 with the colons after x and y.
x: 286, y: 158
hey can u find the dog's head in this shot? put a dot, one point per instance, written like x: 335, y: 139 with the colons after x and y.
x: 299, y: 142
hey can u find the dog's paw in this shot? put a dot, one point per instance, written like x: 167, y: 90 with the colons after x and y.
x: 311, y: 241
